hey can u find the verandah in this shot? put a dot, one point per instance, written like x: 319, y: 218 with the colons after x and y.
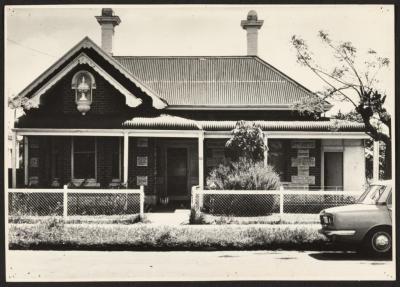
x: 124, y: 135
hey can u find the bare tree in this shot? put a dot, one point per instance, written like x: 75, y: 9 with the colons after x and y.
x: 348, y: 81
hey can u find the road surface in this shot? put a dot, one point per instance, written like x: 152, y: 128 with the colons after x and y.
x: 203, y: 265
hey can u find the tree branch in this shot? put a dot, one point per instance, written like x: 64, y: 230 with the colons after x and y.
x: 324, y: 80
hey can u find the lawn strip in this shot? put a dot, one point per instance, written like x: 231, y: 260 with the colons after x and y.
x: 153, y: 237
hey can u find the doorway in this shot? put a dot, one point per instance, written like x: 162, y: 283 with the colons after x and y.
x: 177, y: 172
x: 333, y: 170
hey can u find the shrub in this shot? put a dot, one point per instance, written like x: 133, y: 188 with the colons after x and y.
x: 246, y: 171
x: 246, y: 142
x: 243, y: 175
x: 196, y: 217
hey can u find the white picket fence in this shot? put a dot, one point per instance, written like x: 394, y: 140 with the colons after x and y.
x: 263, y: 202
x: 66, y: 202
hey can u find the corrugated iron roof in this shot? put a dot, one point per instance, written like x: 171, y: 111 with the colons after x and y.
x: 174, y: 122
x: 214, y: 80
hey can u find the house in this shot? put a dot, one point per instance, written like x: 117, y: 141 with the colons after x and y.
x: 100, y: 119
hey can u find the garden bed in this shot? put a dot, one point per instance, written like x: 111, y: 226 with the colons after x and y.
x: 59, y: 236
x: 287, y: 218
x: 76, y: 219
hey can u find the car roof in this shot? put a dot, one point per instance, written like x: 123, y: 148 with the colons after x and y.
x: 382, y: 182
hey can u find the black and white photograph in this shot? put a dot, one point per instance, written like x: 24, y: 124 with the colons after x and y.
x: 199, y: 143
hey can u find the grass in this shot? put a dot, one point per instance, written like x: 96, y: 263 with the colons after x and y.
x: 57, y: 235
x: 76, y: 219
x: 287, y: 218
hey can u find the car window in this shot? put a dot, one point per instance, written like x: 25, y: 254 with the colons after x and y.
x: 372, y: 194
x: 389, y: 200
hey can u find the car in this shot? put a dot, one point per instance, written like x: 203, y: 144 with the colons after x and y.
x: 367, y: 223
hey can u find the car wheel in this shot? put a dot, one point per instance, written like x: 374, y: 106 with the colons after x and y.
x: 379, y: 242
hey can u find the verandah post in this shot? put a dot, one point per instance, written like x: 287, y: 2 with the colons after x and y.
x: 201, y: 160
x: 266, y: 150
x: 141, y: 212
x: 14, y: 159
x: 126, y: 157
x: 65, y: 202
x: 26, y: 160
x: 201, y: 168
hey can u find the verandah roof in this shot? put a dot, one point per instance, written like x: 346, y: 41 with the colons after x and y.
x: 174, y: 122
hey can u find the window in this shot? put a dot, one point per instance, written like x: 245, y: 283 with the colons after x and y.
x: 278, y: 157
x: 84, y: 158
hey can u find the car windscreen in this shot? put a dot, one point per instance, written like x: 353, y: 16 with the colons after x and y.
x: 372, y: 194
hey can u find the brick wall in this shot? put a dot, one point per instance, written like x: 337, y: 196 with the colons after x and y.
x: 137, y: 149
x: 316, y: 170
x: 214, y: 154
x: 49, y: 157
x: 61, y: 98
x: 106, y: 147
x: 64, y: 159
x: 297, y: 161
x: 305, y: 171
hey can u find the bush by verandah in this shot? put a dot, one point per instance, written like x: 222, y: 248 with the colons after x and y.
x: 247, y: 141
x: 243, y: 175
x: 245, y: 169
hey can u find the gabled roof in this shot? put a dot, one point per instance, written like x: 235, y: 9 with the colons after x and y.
x: 199, y: 82
x: 89, y: 44
x: 215, y: 81
x: 82, y: 58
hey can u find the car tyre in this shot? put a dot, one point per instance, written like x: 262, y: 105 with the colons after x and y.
x: 379, y: 242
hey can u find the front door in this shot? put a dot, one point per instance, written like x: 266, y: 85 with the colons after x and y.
x: 177, y: 173
x: 333, y: 175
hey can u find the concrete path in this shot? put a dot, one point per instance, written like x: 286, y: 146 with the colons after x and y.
x: 179, y: 217
x: 183, y: 266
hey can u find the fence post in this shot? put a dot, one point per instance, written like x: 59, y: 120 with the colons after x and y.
x: 281, y: 200
x: 195, y: 205
x: 141, y: 212
x: 65, y: 202
x: 200, y: 193
x: 192, y: 198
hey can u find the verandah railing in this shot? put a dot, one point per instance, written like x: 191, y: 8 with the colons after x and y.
x: 266, y: 202
x: 68, y: 202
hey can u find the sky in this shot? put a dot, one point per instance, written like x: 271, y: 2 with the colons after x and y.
x: 37, y: 36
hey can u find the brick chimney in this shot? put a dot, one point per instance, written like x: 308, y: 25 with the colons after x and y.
x: 107, y: 21
x: 252, y: 25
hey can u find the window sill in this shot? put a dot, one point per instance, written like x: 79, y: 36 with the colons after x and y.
x: 90, y: 182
